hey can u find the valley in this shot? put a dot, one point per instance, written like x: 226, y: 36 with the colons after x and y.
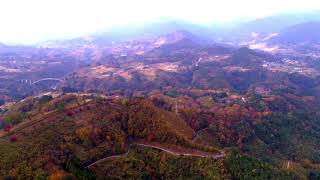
x: 174, y: 105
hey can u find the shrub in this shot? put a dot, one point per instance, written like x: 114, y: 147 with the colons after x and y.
x: 172, y: 93
x: 69, y: 113
x: 7, y: 128
x: 14, y: 117
x: 314, y: 175
x: 13, y: 139
x: 75, y: 168
x: 61, y: 106
x: 203, y: 123
x: 44, y: 99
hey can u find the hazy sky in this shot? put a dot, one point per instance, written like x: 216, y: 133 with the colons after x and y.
x: 37, y: 20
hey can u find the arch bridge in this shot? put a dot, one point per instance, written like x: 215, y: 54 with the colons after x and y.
x: 47, y: 79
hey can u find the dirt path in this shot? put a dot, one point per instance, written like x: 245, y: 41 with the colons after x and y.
x: 165, y: 149
x: 197, y: 134
x: 48, y: 115
x: 28, y: 124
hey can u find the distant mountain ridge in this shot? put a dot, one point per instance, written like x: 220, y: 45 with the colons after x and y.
x: 308, y: 32
x: 133, y: 32
x: 269, y: 24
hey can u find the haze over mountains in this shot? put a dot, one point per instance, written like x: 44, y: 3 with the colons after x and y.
x: 165, y: 100
x: 233, y: 31
x: 300, y: 33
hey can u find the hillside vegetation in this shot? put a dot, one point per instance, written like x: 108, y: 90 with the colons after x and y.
x: 64, y: 135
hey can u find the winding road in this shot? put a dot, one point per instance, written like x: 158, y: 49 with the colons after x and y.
x: 196, y: 153
x: 167, y: 150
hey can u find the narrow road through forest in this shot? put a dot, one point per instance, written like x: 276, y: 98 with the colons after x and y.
x: 167, y: 150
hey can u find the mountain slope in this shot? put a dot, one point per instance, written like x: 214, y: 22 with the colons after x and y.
x: 301, y: 33
x: 60, y: 138
x: 87, y: 129
x: 269, y: 24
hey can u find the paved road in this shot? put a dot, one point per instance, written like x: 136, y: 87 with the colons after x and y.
x: 167, y: 150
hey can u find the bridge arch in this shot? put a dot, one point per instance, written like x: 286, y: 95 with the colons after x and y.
x: 47, y: 79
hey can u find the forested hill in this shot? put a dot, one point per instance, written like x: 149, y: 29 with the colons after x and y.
x: 61, y: 137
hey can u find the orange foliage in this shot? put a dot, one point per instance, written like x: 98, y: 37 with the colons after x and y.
x: 232, y: 123
x: 60, y: 175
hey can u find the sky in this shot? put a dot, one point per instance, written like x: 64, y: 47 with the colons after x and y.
x: 31, y: 21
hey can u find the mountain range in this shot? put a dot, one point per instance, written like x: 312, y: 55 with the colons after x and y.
x: 165, y: 100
